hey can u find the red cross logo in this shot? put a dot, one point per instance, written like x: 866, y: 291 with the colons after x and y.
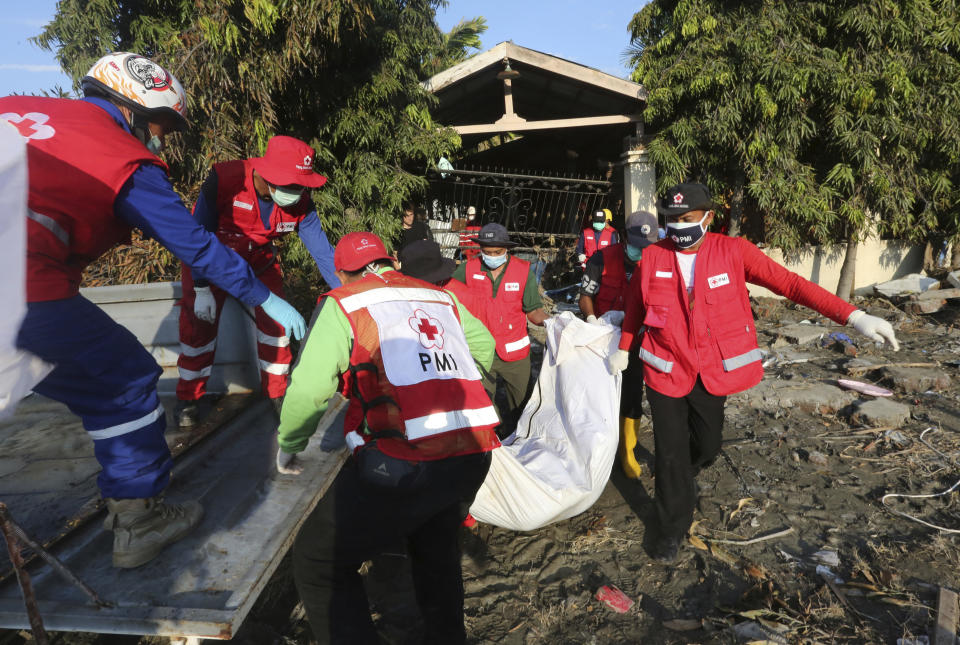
x: 678, y: 198
x: 429, y: 330
x: 32, y: 125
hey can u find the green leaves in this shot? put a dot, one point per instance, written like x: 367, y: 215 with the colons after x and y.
x: 827, y: 111
x: 343, y: 75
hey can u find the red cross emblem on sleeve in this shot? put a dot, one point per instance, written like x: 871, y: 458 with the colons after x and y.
x: 428, y: 329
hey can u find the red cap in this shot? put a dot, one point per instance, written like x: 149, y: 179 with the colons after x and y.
x: 288, y: 161
x: 356, y: 250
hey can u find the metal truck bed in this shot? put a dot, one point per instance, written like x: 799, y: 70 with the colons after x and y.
x: 205, y: 584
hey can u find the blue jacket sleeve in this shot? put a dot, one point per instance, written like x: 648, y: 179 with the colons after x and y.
x: 580, y: 243
x: 311, y: 232
x: 205, y: 212
x: 148, y: 202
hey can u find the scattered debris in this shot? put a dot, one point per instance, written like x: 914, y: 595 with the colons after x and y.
x: 864, y: 388
x: 827, y: 557
x: 954, y: 278
x: 929, y: 302
x: 909, y: 284
x: 948, y: 613
x: 801, y: 334
x: 818, y: 458
x: 615, y: 599
x: 915, y: 379
x: 880, y: 412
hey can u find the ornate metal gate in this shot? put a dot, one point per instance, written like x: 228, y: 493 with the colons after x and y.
x: 536, y: 209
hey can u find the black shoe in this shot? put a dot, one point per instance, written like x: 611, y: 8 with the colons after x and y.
x: 191, y: 413
x: 667, y: 550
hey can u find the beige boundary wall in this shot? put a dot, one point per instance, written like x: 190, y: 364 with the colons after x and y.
x: 877, y: 261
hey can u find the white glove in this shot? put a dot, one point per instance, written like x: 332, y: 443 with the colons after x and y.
x: 204, y: 304
x: 591, y: 319
x: 582, y: 258
x: 873, y: 328
x: 618, y: 361
x: 287, y: 463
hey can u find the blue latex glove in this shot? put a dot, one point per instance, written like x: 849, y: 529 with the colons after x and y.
x: 281, y: 311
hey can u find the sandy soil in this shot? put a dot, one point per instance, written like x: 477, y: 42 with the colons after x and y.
x: 782, y: 468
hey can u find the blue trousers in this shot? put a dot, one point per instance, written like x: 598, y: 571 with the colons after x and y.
x: 106, y: 377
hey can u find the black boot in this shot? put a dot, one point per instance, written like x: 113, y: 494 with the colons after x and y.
x: 667, y: 549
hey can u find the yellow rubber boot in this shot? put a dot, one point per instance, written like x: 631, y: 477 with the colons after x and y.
x: 628, y: 441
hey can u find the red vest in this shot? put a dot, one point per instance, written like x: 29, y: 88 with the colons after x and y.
x: 240, y: 225
x: 411, y: 373
x: 715, y: 338
x: 501, y: 313
x: 594, y: 241
x: 613, y: 281
x: 78, y: 159
x: 469, y: 248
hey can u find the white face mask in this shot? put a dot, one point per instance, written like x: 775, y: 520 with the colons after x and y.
x: 494, y: 261
x: 284, y: 197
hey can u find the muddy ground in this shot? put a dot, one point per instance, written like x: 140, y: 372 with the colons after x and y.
x: 789, y: 464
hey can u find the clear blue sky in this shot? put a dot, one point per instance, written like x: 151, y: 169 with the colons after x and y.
x: 591, y: 33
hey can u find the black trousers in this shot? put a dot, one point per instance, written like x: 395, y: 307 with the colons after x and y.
x: 355, y: 520
x: 686, y: 436
x: 631, y: 388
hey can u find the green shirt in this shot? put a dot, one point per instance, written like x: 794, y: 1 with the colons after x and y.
x: 531, y: 293
x: 325, y: 355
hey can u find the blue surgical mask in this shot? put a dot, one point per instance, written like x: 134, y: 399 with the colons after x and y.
x: 599, y: 226
x: 284, y: 197
x: 494, y: 261
x: 154, y: 145
x: 686, y: 234
x: 634, y: 253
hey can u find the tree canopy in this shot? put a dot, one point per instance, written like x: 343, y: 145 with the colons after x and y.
x: 344, y: 75
x: 827, y: 118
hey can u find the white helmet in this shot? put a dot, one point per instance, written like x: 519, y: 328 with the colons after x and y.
x: 139, y: 84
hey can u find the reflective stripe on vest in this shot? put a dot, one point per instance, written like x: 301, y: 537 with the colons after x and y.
x: 275, y: 341
x: 51, y: 225
x: 752, y: 356
x: 274, y: 368
x: 440, y: 422
x: 653, y: 360
x: 517, y: 344
x: 387, y: 294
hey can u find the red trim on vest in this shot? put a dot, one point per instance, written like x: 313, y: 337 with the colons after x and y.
x: 613, y: 281
x: 502, y: 314
x: 715, y: 338
x: 240, y: 225
x: 407, y: 402
x: 78, y: 159
x: 592, y: 244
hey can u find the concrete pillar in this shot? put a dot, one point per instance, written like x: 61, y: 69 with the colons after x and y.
x: 639, y: 178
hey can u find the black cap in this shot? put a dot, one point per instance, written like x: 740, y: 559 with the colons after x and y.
x: 599, y: 217
x: 494, y: 234
x: 422, y: 260
x: 642, y: 229
x: 683, y: 198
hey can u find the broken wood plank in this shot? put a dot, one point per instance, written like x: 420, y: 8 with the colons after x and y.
x: 948, y: 613
x: 869, y: 368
